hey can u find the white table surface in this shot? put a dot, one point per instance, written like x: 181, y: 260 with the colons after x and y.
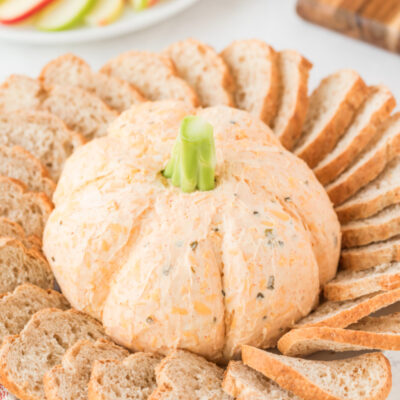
x: 218, y: 22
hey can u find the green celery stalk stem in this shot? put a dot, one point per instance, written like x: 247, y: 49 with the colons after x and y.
x: 192, y: 163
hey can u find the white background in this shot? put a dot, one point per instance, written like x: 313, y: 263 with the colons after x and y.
x: 218, y: 22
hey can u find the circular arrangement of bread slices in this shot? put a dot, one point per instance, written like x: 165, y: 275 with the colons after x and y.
x: 344, y: 130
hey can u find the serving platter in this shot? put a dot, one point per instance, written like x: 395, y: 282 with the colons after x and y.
x: 130, y: 22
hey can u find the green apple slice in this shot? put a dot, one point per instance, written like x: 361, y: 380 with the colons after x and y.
x: 105, y: 12
x: 63, y: 14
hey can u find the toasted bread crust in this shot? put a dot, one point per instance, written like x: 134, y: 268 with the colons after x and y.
x: 291, y: 380
x: 359, y: 340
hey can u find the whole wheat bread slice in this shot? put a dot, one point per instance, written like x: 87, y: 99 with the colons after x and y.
x: 331, y: 109
x: 70, y: 379
x: 373, y: 333
x: 353, y: 284
x: 70, y: 70
x: 44, y: 135
x: 20, y: 265
x: 28, y: 209
x: 183, y: 375
x: 153, y: 74
x: 379, y: 227
x: 134, y: 378
x: 340, y: 314
x: 374, y: 197
x: 17, y: 163
x: 371, y: 255
x: 17, y: 308
x: 13, y: 230
x: 376, y: 108
x: 254, y: 67
x: 25, y: 358
x: 245, y: 383
x: 369, y: 164
x: 204, y: 70
x: 293, y: 97
x: 82, y: 111
x: 366, y: 377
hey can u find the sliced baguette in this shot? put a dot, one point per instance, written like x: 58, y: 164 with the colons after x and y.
x: 21, y: 265
x: 377, y: 107
x: 153, y: 74
x: 293, y: 97
x: 366, y: 377
x: 379, y: 227
x: 353, y: 284
x: 331, y: 109
x: 340, y: 314
x: 254, y: 66
x: 70, y: 70
x: 245, y: 383
x: 17, y: 163
x: 44, y: 135
x: 382, y: 334
x: 382, y: 192
x: 70, y: 379
x: 183, y: 375
x: 25, y: 358
x: 364, y: 257
x: 28, y: 209
x: 134, y: 378
x: 204, y: 70
x: 17, y: 308
x: 369, y: 164
x: 80, y: 110
x: 13, y: 230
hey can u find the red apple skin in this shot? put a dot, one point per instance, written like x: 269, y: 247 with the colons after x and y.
x: 26, y: 14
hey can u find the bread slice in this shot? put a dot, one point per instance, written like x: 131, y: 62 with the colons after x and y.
x: 13, y: 230
x: 25, y: 358
x: 353, y: 284
x: 183, y: 375
x: 44, y: 135
x: 244, y: 383
x: 371, y: 255
x: 134, y: 378
x: 381, y: 333
x: 17, y: 163
x: 376, y: 108
x: 28, y: 209
x: 340, y: 314
x: 366, y: 377
x: 254, y: 66
x: 204, y: 70
x: 70, y: 70
x: 70, y: 379
x: 382, y: 192
x: 293, y: 97
x: 369, y: 164
x: 21, y: 265
x: 153, y: 74
x: 331, y: 109
x: 17, y: 308
x: 80, y: 110
x: 379, y: 227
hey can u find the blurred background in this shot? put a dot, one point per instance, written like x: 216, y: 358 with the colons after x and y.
x: 218, y: 22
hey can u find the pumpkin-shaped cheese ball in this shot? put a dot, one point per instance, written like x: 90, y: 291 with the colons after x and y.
x: 204, y: 271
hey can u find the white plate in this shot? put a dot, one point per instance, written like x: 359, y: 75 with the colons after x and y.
x: 128, y: 23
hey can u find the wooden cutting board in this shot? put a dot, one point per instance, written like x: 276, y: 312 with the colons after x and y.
x: 375, y: 21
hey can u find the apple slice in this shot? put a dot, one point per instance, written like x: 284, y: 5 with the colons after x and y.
x: 105, y: 12
x: 14, y: 11
x: 140, y: 5
x: 63, y: 14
